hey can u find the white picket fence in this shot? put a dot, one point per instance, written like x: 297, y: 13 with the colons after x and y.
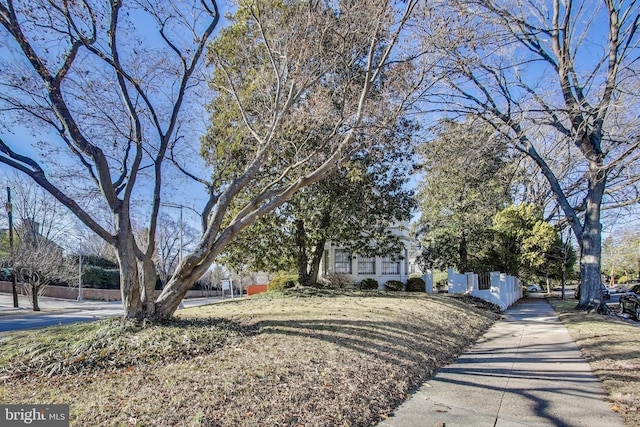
x: 502, y: 290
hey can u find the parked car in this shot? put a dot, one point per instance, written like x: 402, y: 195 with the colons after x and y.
x: 605, y: 292
x: 630, y: 302
x: 533, y: 288
x: 615, y: 288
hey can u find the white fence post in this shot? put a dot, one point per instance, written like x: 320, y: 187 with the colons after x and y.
x: 495, y: 279
x: 472, y: 285
x: 457, y: 283
x: 508, y: 290
x: 504, y: 291
x: 428, y: 281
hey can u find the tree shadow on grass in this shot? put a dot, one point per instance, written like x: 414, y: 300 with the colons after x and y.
x: 403, y: 344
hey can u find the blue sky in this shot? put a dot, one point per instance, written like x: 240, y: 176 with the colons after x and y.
x: 178, y: 189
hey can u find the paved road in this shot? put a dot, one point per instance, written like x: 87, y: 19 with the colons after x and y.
x: 57, y: 311
x: 612, y: 303
x: 19, y: 322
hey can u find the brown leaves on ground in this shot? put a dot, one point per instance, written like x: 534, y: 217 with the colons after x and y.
x: 610, y: 345
x: 313, y: 361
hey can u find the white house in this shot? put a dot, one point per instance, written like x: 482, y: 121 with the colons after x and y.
x: 337, y: 260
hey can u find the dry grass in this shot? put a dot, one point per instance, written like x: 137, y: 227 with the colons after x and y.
x: 612, y: 348
x: 302, y: 360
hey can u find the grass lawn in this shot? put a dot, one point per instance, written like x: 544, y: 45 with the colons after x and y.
x: 612, y: 348
x: 300, y: 358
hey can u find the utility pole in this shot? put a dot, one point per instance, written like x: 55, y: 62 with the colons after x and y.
x: 564, y: 264
x: 181, y: 232
x: 14, y: 288
x: 79, y: 276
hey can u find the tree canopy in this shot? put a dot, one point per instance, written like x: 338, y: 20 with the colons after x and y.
x: 467, y: 180
x: 559, y: 80
x: 621, y: 254
x: 311, y: 84
x: 353, y: 208
x: 523, y: 240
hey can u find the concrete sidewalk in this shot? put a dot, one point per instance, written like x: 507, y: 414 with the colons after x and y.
x: 525, y: 371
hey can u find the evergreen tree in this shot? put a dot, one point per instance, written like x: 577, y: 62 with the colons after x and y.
x: 466, y: 182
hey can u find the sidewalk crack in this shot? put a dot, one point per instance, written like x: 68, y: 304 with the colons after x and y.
x: 506, y: 386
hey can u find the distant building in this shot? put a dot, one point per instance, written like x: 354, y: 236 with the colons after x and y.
x: 337, y: 260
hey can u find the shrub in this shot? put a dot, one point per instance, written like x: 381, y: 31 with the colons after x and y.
x: 337, y: 281
x: 282, y: 281
x: 393, y: 285
x: 100, y: 278
x: 442, y: 286
x: 368, y: 284
x: 415, y: 284
x: 98, y: 261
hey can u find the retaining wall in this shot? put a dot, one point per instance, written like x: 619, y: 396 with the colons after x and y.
x: 65, y: 292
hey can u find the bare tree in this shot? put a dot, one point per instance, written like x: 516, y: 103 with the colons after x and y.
x: 560, y: 80
x: 42, y: 224
x: 171, y: 235
x: 216, y: 276
x: 36, y: 212
x: 621, y: 257
x: 88, y: 243
x: 40, y: 262
x: 113, y: 93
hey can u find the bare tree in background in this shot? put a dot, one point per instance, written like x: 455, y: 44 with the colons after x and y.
x: 42, y: 224
x: 40, y: 262
x: 89, y: 243
x: 167, y: 254
x: 36, y: 212
x: 560, y: 79
x: 216, y: 275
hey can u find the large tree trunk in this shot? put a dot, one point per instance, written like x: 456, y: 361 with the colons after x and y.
x: 463, y: 263
x: 590, y: 259
x: 129, y: 283
x: 315, y: 261
x: 34, y: 297
x: 130, y: 279
x: 318, y: 251
x: 147, y: 271
x: 173, y: 293
x: 137, y: 271
x: 304, y: 278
